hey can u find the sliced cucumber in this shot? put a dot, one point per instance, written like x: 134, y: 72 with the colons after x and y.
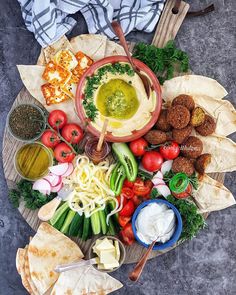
x: 68, y: 220
x: 59, y: 213
x: 58, y: 225
x: 75, y: 225
x: 102, y: 217
x: 95, y: 223
x: 86, y: 228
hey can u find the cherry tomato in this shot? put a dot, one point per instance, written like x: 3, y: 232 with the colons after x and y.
x: 63, y: 153
x: 137, y: 200
x: 119, y: 200
x: 170, y: 150
x: 127, y: 192
x: 50, y: 138
x: 152, y: 161
x: 138, y: 146
x: 128, y: 209
x: 57, y: 119
x: 142, y: 188
x: 184, y: 194
x: 128, y: 183
x: 123, y: 220
x: 72, y: 133
x: 127, y: 234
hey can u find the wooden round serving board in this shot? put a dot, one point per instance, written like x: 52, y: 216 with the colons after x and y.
x: 11, y: 145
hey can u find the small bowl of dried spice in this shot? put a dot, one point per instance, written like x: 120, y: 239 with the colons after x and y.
x: 26, y: 122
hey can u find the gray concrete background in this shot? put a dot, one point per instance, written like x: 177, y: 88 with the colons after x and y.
x: 205, y: 265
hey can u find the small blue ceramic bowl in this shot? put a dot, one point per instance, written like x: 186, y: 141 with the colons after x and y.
x: 176, y: 234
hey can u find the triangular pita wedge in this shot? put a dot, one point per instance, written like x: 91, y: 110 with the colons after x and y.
x: 113, y: 48
x: 85, y: 280
x: 51, y: 50
x: 28, y: 276
x: 212, y: 195
x: 41, y: 59
x: 47, y: 249
x: 31, y: 76
x: 223, y: 153
x: 192, y: 85
x: 223, y: 112
x: 20, y: 258
x: 24, y: 278
x: 92, y: 45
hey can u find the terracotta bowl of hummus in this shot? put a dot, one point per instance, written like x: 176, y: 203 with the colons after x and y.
x: 111, y: 89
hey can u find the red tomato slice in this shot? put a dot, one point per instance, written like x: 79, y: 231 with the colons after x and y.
x: 129, y: 231
x: 123, y: 220
x: 124, y: 201
x: 142, y: 188
x: 128, y: 209
x: 127, y: 192
x: 137, y: 200
x: 125, y: 239
x: 128, y: 183
x: 184, y: 194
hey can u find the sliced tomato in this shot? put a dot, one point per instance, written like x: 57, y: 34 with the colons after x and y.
x: 137, y: 200
x: 125, y: 239
x: 184, y: 194
x: 142, y: 188
x: 127, y: 192
x: 128, y: 209
x: 127, y: 234
x: 124, y: 201
x: 123, y: 220
x: 128, y: 183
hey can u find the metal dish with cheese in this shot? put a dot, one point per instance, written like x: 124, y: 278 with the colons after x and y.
x: 111, y: 89
x: 109, y: 253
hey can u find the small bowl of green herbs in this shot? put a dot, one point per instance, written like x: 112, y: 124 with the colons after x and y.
x: 26, y: 122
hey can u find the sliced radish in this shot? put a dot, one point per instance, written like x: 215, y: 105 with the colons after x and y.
x: 57, y: 188
x: 59, y: 169
x: 163, y: 189
x: 69, y: 170
x: 53, y: 179
x: 157, y: 181
x: 42, y: 185
x: 158, y: 175
x: 166, y: 166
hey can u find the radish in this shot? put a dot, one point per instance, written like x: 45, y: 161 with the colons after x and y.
x: 42, y: 185
x: 69, y: 170
x: 163, y: 189
x: 166, y: 166
x: 57, y: 188
x: 59, y: 169
x: 53, y: 179
x: 158, y: 175
x: 45, y: 192
x: 157, y: 181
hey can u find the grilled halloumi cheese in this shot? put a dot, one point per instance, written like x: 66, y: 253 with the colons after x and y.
x: 53, y: 94
x: 66, y: 59
x: 56, y: 74
x: 84, y: 62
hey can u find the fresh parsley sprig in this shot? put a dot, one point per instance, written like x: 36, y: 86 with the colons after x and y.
x: 162, y: 61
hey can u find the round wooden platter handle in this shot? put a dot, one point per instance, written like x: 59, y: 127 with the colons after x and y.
x: 135, y: 274
x: 47, y: 211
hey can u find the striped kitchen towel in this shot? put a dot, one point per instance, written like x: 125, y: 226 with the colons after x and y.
x: 49, y: 20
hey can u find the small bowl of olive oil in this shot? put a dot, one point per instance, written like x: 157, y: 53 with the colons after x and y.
x: 32, y: 161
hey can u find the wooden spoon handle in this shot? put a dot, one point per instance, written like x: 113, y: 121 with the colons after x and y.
x: 119, y: 33
x: 135, y: 274
x: 47, y: 211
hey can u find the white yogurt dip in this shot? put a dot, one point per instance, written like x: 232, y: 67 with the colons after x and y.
x: 155, y: 222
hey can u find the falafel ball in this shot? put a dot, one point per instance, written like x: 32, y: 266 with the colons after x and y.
x: 180, y: 135
x: 184, y: 100
x: 208, y: 126
x: 197, y: 117
x: 182, y: 164
x: 178, y: 116
x: 162, y: 123
x: 155, y: 137
x: 202, y: 162
x: 192, y: 147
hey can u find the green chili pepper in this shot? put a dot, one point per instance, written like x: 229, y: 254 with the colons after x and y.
x: 127, y: 159
x: 178, y: 183
x: 117, y: 179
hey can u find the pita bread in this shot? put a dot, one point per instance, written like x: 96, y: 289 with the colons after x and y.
x: 92, y: 45
x: 85, y: 280
x: 223, y: 112
x: 24, y: 278
x: 113, y: 48
x: 192, y: 85
x: 51, y: 50
x: 47, y: 249
x: 41, y: 59
x: 31, y: 76
x: 212, y: 195
x: 28, y: 276
x: 223, y: 152
x: 20, y: 256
